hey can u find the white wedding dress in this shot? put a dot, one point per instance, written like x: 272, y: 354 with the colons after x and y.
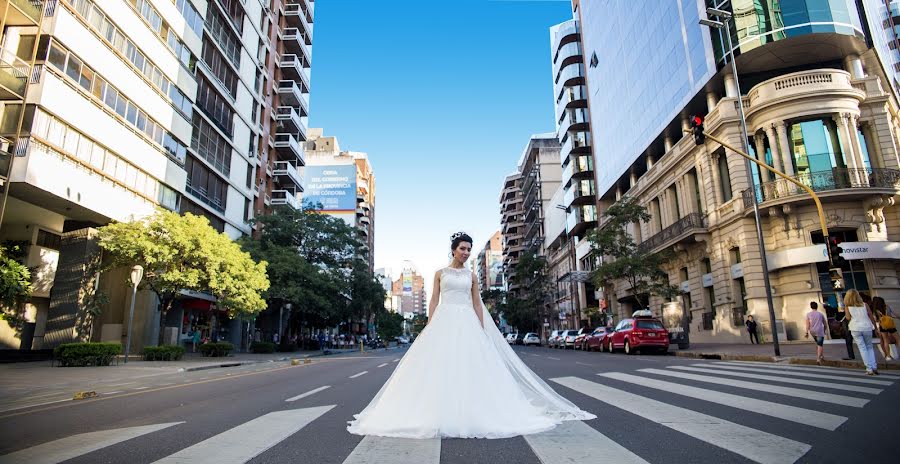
x: 461, y: 381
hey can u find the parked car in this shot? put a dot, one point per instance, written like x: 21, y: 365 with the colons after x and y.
x: 592, y: 341
x: 567, y: 339
x: 531, y: 339
x: 640, y: 334
x: 579, y: 339
x: 401, y: 340
x: 553, y: 338
x: 511, y: 338
x: 519, y: 338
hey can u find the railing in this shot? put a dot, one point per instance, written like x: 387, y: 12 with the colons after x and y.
x: 680, y: 227
x: 822, y: 181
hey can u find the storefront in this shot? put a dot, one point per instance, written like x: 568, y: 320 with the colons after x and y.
x: 204, y: 316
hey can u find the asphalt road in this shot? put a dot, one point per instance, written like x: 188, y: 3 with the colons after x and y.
x: 680, y: 410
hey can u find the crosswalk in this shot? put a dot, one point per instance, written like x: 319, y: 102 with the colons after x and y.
x: 796, y: 397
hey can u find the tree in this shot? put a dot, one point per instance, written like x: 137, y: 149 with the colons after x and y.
x: 15, y: 284
x: 494, y: 299
x: 418, y: 323
x: 389, y: 324
x: 526, y: 308
x: 186, y: 253
x: 638, y: 267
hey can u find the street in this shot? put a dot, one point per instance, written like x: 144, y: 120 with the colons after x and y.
x: 655, y: 409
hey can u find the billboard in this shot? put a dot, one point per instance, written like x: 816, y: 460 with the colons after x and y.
x: 407, y: 284
x: 495, y: 267
x: 334, y: 187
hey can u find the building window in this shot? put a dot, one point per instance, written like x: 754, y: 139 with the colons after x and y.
x: 815, y: 146
x: 724, y: 178
x: 210, y: 145
x: 224, y: 35
x: 215, y: 106
x: 206, y: 185
x: 697, y: 191
x: 867, y: 163
x: 219, y: 67
x: 48, y: 240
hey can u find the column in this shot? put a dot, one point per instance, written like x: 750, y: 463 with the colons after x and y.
x: 773, y: 145
x: 714, y: 169
x: 853, y: 131
x: 853, y: 65
x: 787, y: 153
x: 668, y: 143
x: 730, y: 86
x: 841, y: 119
x: 683, y: 196
x: 650, y: 160
x: 711, y: 101
x: 760, y: 147
x: 632, y: 178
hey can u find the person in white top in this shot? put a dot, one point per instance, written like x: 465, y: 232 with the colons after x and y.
x: 862, y: 323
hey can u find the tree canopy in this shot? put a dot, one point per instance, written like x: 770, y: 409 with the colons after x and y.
x: 15, y: 284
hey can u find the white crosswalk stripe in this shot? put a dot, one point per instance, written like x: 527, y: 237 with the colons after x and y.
x: 244, y: 442
x: 843, y: 378
x: 756, y: 445
x: 821, y: 369
x: 575, y: 441
x: 764, y: 387
x: 309, y: 393
x: 782, y: 379
x: 77, y: 445
x: 384, y: 450
x: 768, y: 408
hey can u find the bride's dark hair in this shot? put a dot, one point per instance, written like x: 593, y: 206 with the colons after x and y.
x: 458, y: 238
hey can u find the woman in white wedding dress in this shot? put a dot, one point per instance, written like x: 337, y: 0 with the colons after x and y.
x: 460, y: 378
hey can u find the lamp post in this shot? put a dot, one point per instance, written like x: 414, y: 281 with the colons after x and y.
x: 137, y: 273
x: 725, y: 18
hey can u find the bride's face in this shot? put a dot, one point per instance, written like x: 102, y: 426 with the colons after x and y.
x: 462, y: 251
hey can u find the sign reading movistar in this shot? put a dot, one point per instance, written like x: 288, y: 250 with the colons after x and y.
x: 334, y: 187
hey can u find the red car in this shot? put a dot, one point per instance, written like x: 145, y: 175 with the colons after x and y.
x: 639, y: 334
x: 579, y: 339
x: 592, y: 341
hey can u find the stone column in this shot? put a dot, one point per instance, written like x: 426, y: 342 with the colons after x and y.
x: 730, y: 86
x: 683, y: 196
x: 760, y: 147
x: 668, y: 143
x: 787, y: 153
x: 714, y: 169
x: 711, y: 101
x: 842, y: 121
x: 853, y: 65
x: 650, y: 160
x: 632, y: 178
x: 773, y: 145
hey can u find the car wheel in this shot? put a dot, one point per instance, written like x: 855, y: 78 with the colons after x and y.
x: 628, y: 349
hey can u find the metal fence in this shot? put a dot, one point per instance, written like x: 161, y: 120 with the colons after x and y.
x: 822, y: 181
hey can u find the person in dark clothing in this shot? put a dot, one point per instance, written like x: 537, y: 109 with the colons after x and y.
x: 845, y: 325
x: 751, y: 329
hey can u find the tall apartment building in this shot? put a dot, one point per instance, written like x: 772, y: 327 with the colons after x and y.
x: 489, y: 263
x: 342, y: 184
x: 511, y: 227
x: 541, y: 177
x: 819, y: 99
x: 131, y: 106
x: 410, y: 288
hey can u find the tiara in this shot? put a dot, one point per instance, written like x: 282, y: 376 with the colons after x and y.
x: 457, y: 235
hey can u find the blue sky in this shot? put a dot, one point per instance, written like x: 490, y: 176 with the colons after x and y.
x: 443, y: 95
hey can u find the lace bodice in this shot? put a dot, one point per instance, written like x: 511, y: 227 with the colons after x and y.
x: 456, y: 286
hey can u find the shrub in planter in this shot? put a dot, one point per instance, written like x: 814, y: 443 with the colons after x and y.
x: 262, y: 347
x: 216, y: 350
x: 86, y: 354
x: 163, y: 353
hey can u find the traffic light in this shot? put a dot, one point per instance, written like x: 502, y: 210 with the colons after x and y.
x: 837, y: 278
x: 834, y: 251
x: 697, y: 128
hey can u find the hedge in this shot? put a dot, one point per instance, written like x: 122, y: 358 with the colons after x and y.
x: 86, y: 354
x: 262, y: 347
x: 216, y: 349
x: 163, y: 353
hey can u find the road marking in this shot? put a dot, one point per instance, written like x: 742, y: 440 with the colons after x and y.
x: 786, y: 391
x: 750, y: 443
x: 311, y: 392
x: 782, y: 411
x: 112, y: 393
x: 357, y: 375
x: 584, y: 364
x: 246, y: 441
x: 802, y: 374
x: 575, y: 441
x: 77, y: 445
x: 775, y: 378
x: 33, y: 405
x: 536, y: 355
x: 555, y: 359
x: 121, y: 384
x: 141, y: 388
x: 382, y: 364
x: 792, y: 367
x: 385, y: 450
x: 396, y: 360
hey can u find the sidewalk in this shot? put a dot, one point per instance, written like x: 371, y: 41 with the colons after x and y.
x: 792, y: 352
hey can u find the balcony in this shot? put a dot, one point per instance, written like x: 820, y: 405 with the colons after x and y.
x: 292, y: 67
x: 570, y: 76
x: 568, y: 54
x: 285, y: 197
x: 577, y: 143
x: 6, y: 149
x: 578, y: 167
x: 295, y: 16
x: 580, y: 193
x: 572, y: 97
x: 573, y: 120
x: 294, y: 42
x: 14, y: 74
x: 682, y: 230
x: 23, y: 12
x: 360, y: 212
x: 580, y: 218
x: 290, y: 94
x: 290, y: 120
x: 287, y: 172
x: 286, y: 144
x: 365, y: 220
x: 365, y: 206
x: 567, y: 33
x: 819, y: 83
x: 837, y: 182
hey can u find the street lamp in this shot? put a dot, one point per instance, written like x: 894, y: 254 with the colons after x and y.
x: 137, y: 273
x: 724, y: 19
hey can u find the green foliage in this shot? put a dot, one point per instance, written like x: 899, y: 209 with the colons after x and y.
x: 15, y: 284
x: 262, y: 347
x: 215, y: 350
x: 186, y: 253
x: 163, y: 353
x: 86, y: 354
x: 526, y: 308
x: 418, y: 323
x: 641, y: 269
x: 389, y: 325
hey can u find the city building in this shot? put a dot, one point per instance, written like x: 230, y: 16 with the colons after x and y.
x: 341, y: 184
x: 511, y: 228
x: 820, y: 105
x: 410, y: 288
x: 489, y: 263
x: 131, y: 106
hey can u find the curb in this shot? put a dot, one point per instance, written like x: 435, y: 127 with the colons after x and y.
x: 728, y: 357
x: 775, y: 359
x: 842, y: 363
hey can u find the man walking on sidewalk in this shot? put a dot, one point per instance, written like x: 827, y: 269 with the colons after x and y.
x: 751, y: 328
x: 815, y: 326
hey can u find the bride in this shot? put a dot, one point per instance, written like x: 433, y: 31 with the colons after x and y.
x: 460, y: 379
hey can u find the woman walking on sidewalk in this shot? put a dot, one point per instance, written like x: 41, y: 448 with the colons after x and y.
x: 886, y: 326
x: 862, y: 323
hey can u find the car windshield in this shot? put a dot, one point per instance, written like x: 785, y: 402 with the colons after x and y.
x: 649, y: 324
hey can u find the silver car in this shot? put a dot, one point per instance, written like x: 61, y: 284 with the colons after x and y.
x: 531, y: 339
x: 553, y: 338
x: 567, y: 339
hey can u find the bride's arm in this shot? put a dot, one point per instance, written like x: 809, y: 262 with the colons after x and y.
x: 476, y: 299
x: 435, y: 296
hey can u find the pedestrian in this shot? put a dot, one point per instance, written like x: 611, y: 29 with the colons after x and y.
x: 845, y: 328
x: 862, y: 324
x: 275, y: 338
x: 751, y: 329
x: 886, y: 327
x: 195, y: 340
x: 329, y: 342
x: 815, y: 326
x: 321, y: 339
